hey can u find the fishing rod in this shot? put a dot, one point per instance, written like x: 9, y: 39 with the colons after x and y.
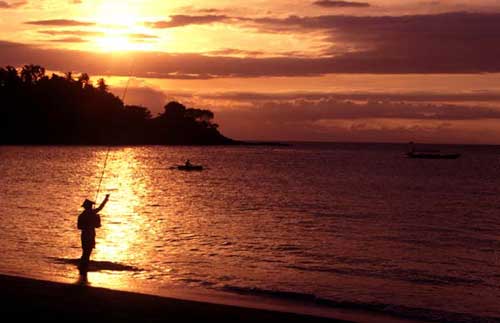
x: 109, y: 148
x: 102, y: 174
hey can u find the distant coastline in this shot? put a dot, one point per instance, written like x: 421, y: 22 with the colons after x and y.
x: 264, y: 143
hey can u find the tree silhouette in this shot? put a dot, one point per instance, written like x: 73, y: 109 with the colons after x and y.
x: 69, y: 76
x: 9, y: 77
x: 30, y: 74
x: 174, y: 111
x: 101, y: 85
x: 37, y: 109
x: 84, y: 80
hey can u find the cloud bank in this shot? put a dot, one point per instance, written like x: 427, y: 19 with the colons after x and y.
x: 344, y: 117
x: 186, y: 20
x: 59, y: 23
x: 443, y: 43
x: 341, y: 4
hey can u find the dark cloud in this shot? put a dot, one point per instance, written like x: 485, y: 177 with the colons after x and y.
x: 196, y: 66
x: 327, y: 117
x: 12, y: 5
x: 141, y: 95
x: 321, y: 106
x: 445, y: 43
x: 185, y: 20
x: 72, y: 36
x: 314, y: 107
x: 59, y: 22
x: 341, y: 4
x: 236, y: 52
x: 210, y: 10
x: 328, y: 109
x: 431, y: 3
x: 68, y: 40
x: 85, y: 33
x: 159, y: 65
x: 483, y: 96
x: 82, y: 33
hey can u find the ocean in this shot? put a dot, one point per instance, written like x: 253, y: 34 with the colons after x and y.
x: 333, y: 225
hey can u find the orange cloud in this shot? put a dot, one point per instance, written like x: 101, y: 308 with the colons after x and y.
x: 341, y: 4
x: 59, y: 22
x: 14, y: 5
x: 185, y: 20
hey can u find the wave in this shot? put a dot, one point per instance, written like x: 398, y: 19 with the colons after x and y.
x: 95, y: 265
x: 408, y: 275
x: 395, y: 310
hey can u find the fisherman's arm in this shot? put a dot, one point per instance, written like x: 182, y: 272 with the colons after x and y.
x: 103, y: 203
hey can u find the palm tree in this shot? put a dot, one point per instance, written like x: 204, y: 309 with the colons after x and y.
x: 84, y: 80
x: 101, y: 85
x: 30, y: 74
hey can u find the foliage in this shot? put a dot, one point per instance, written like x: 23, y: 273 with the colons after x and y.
x: 38, y: 109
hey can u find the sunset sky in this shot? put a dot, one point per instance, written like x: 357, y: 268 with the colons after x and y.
x: 374, y: 70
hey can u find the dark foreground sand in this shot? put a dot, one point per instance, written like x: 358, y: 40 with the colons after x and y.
x: 48, y: 301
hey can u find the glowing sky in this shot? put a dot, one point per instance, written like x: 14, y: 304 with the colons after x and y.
x: 374, y: 70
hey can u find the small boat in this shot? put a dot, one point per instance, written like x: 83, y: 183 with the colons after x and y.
x: 432, y: 155
x: 190, y: 167
x: 429, y: 154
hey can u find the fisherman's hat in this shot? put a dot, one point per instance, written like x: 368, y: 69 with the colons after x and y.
x: 87, y: 202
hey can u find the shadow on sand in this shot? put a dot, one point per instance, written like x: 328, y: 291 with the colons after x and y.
x: 97, y: 265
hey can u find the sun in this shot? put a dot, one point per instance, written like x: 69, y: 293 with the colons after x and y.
x: 112, y: 43
x: 118, y: 22
x: 119, y: 41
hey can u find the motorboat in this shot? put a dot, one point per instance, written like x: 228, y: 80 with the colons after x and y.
x: 190, y: 167
x: 412, y: 153
x: 432, y: 155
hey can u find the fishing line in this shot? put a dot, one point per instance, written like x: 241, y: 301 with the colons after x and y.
x: 109, y: 148
x: 102, y: 174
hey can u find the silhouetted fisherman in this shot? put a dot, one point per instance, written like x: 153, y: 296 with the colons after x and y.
x: 88, y: 221
x: 188, y: 163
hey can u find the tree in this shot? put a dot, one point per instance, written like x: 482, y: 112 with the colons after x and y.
x: 3, y: 77
x: 200, y: 115
x: 174, y: 110
x: 101, y: 85
x: 38, y: 109
x: 9, y: 77
x: 69, y: 76
x: 137, y: 112
x: 84, y: 80
x: 30, y: 74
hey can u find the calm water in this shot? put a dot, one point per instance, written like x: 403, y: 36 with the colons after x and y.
x: 345, y: 225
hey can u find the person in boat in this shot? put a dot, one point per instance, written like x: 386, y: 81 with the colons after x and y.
x: 188, y: 163
x: 412, y: 147
x: 88, y: 221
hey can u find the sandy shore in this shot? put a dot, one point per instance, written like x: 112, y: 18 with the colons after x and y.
x: 49, y: 301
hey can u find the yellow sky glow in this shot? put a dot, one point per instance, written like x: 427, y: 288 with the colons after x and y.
x: 118, y: 22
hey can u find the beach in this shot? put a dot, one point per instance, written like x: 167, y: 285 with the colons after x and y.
x: 25, y: 298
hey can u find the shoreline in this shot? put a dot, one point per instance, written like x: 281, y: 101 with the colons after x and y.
x: 25, y: 297
x: 54, y: 301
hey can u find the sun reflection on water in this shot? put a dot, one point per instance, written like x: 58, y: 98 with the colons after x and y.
x: 122, y: 225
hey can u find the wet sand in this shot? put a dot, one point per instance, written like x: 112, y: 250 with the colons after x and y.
x: 28, y: 299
